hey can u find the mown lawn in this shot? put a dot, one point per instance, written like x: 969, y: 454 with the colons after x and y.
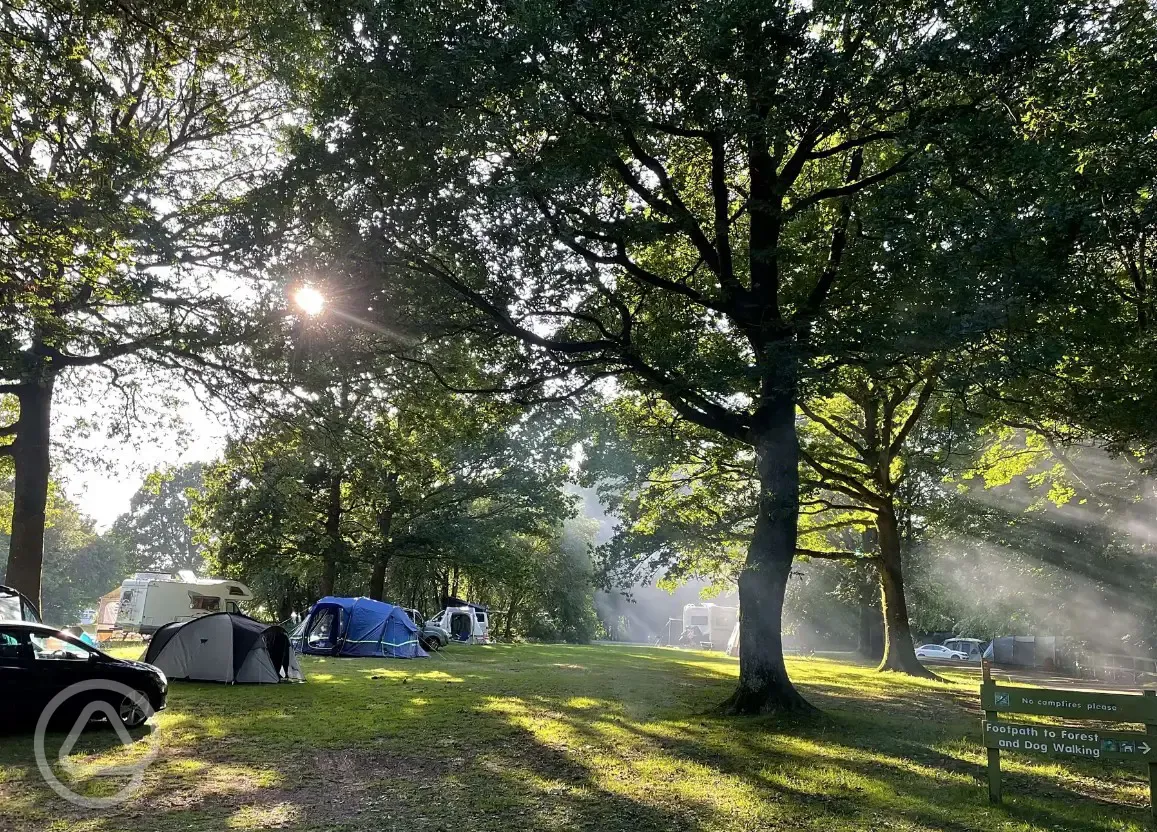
x: 575, y: 738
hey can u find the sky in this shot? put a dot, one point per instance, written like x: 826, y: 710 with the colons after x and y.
x: 103, y: 491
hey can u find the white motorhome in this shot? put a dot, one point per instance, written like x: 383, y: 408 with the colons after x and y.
x: 713, y: 622
x: 468, y: 623
x: 149, y: 600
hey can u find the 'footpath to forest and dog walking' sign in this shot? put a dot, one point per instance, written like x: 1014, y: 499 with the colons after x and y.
x: 1077, y: 742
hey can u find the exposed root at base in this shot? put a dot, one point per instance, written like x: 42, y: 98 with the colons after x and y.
x: 918, y: 672
x: 747, y: 702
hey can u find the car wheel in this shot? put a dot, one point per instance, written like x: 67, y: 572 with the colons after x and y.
x: 134, y: 711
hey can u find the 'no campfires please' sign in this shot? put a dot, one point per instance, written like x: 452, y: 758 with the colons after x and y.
x: 1072, y: 741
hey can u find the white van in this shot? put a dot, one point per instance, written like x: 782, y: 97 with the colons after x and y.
x: 469, y: 623
x: 713, y: 623
x: 150, y: 600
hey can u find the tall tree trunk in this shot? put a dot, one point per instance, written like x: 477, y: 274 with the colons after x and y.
x: 454, y: 588
x: 31, y: 461
x: 378, y: 576
x: 285, y: 607
x: 870, y: 646
x: 764, y: 685
x: 333, y: 549
x: 508, y: 625
x: 328, y: 577
x: 445, y: 578
x: 384, y: 550
x: 899, y: 652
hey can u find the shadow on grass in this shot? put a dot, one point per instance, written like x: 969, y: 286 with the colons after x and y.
x: 556, y: 738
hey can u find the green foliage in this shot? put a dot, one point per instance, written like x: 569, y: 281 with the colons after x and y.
x: 560, y: 606
x: 156, y: 527
x: 685, y: 497
x: 125, y: 137
x: 372, y: 477
x: 80, y: 565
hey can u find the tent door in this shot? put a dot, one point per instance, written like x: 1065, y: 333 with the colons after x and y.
x: 324, y: 630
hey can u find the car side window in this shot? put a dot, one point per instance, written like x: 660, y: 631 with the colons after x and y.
x: 47, y: 648
x: 12, y: 645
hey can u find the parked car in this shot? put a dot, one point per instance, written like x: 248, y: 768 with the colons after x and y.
x: 14, y: 606
x: 972, y: 648
x: 431, y: 635
x: 938, y: 651
x: 465, y: 622
x: 37, y: 662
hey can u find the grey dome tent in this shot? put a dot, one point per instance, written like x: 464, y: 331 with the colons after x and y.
x: 224, y: 647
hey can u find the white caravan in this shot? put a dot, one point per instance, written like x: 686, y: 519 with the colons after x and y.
x: 150, y: 600
x: 469, y: 623
x: 714, y: 623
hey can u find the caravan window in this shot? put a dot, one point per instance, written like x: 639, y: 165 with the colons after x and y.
x: 699, y: 621
x: 236, y: 590
x: 209, y: 603
x: 480, y: 615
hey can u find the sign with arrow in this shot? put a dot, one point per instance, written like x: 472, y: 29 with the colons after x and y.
x: 1067, y: 741
x: 1070, y: 741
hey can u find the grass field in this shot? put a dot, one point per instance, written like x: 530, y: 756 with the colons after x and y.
x: 575, y: 738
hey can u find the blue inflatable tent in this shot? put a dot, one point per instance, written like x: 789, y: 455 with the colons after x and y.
x: 358, y: 627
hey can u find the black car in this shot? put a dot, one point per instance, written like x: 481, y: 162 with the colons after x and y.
x: 16, y: 607
x: 38, y: 662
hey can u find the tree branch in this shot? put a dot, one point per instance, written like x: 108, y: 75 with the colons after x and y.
x: 850, y: 188
x: 827, y: 277
x: 852, y: 556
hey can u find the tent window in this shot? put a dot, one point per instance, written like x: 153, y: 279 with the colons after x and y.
x: 480, y: 615
x: 209, y: 603
x: 323, y: 629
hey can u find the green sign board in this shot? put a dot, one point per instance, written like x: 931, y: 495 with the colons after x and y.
x: 1072, y: 704
x: 1069, y: 741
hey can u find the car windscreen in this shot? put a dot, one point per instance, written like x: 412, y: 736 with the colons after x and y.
x: 48, y: 639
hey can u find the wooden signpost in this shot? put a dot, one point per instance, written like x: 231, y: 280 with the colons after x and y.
x: 1067, y: 740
